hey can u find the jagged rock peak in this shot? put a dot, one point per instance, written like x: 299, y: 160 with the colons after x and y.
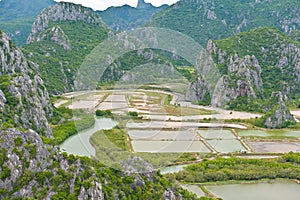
x: 280, y: 115
x: 63, y: 12
x: 142, y: 4
x: 23, y: 96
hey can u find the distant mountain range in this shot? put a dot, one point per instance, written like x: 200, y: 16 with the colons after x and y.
x: 128, y: 18
x: 17, y: 16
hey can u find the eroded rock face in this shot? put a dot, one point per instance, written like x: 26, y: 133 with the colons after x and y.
x: 197, y: 90
x: 242, y: 75
x: 23, y: 95
x: 2, y: 101
x: 57, y: 35
x: 280, y: 115
x: 27, y: 157
x: 243, y: 79
x: 62, y: 12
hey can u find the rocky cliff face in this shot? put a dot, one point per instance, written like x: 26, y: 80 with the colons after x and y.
x: 24, y: 100
x: 56, y: 35
x: 62, y: 12
x: 28, y: 167
x: 279, y: 116
x: 253, y: 65
x: 243, y: 79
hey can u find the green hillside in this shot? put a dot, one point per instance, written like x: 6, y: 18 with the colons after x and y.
x: 203, y: 20
x: 17, y: 16
x: 268, y: 46
x: 58, y: 66
x: 61, y: 44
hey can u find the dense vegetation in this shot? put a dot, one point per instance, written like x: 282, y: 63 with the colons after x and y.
x: 58, y: 66
x: 103, y: 113
x: 68, y: 122
x: 17, y: 16
x: 203, y: 20
x: 225, y: 169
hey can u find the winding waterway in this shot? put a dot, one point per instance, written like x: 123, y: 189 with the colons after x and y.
x: 79, y: 144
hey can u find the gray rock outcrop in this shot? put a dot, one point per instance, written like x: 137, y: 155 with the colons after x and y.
x: 23, y: 95
x: 62, y: 12
x: 280, y: 115
x: 243, y: 79
x: 26, y: 157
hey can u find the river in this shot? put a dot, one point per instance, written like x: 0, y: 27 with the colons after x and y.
x: 79, y: 144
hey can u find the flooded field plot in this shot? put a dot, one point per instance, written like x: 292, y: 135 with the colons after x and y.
x: 83, y: 104
x: 113, y: 102
x: 112, y: 105
x: 162, y: 135
x: 116, y: 98
x: 274, y: 147
x: 194, y: 189
x: 257, y: 191
x: 226, y: 146
x: 216, y: 134
x: 169, y: 146
x: 260, y: 133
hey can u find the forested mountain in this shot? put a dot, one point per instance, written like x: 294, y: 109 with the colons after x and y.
x: 61, y: 37
x: 17, y: 16
x: 217, y: 19
x: 252, y: 67
x: 127, y: 18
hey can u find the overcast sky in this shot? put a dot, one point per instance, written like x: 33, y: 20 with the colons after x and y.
x: 103, y: 4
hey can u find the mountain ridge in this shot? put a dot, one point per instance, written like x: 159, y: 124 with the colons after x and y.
x: 123, y: 18
x: 204, y: 20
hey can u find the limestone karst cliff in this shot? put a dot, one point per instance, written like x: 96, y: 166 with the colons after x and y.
x: 24, y: 100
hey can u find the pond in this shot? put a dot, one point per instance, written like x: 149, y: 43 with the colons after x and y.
x: 216, y: 134
x: 274, y: 147
x: 261, y: 133
x: 194, y: 189
x: 79, y: 144
x: 161, y: 135
x: 226, y: 146
x: 257, y: 191
x: 172, y: 169
x: 169, y: 146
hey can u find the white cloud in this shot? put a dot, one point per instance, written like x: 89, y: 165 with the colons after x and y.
x: 103, y: 4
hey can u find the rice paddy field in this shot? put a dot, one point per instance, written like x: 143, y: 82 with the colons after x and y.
x: 269, y: 133
x: 226, y: 146
x: 274, y: 147
x: 162, y: 135
x: 216, y: 134
x: 164, y: 127
x: 170, y: 146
